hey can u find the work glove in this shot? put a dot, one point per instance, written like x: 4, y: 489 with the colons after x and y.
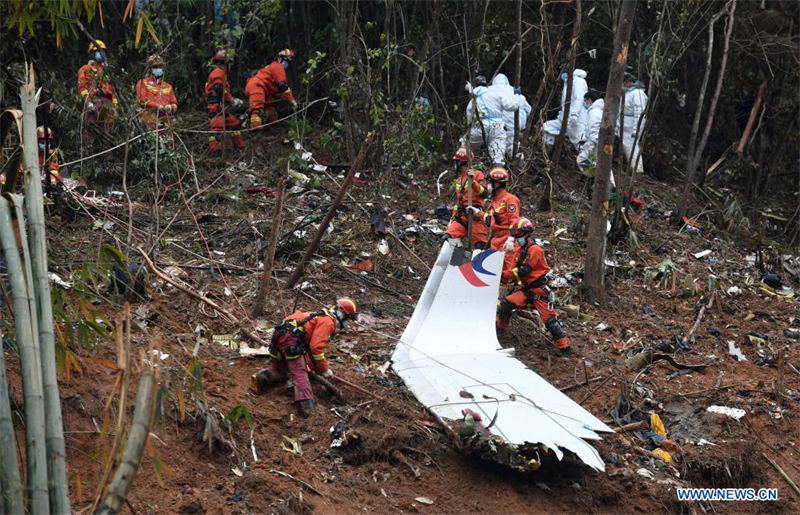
x: 509, y: 245
x: 91, y: 107
x: 472, y: 209
x: 517, y: 90
x: 237, y: 102
x: 328, y: 373
x: 468, y: 88
x: 294, y: 105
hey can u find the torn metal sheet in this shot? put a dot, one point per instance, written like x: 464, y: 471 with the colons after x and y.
x: 450, y: 347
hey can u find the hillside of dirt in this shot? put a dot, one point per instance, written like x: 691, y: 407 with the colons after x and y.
x: 215, y: 447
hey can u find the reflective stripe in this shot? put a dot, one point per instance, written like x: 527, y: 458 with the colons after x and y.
x: 318, y: 357
x: 85, y: 92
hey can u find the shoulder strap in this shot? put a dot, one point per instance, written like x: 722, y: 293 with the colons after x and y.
x: 523, y: 255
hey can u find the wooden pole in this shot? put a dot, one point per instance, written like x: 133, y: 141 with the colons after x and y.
x: 298, y: 272
x: 263, y: 288
x: 56, y: 457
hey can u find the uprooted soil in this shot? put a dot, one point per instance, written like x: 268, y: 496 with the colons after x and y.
x: 394, y: 458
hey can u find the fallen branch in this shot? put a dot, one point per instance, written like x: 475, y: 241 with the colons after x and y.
x: 635, y: 426
x: 269, y: 262
x: 582, y: 383
x: 782, y: 473
x: 300, y: 481
x: 328, y: 386
x: 312, y: 247
x: 702, y: 312
x: 202, y: 298
x: 402, y: 459
x: 358, y: 388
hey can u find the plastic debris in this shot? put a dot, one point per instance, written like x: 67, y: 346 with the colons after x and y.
x: 735, y: 351
x: 230, y: 341
x: 59, y: 281
x: 734, y: 290
x: 237, y: 471
x: 293, y: 447
x: 383, y: 247
x: 702, y: 254
x: 734, y: 413
x: 645, y: 473
x: 423, y: 500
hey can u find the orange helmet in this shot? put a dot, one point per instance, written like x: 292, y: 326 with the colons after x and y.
x: 499, y: 174
x: 521, y: 227
x: 461, y: 155
x: 348, y: 306
x: 42, y: 134
x: 286, y: 54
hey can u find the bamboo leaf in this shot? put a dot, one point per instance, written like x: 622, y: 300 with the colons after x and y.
x: 100, y: 12
x: 160, y: 469
x: 181, y: 403
x: 139, y: 31
x: 106, y: 363
x: 128, y: 10
x: 150, y: 29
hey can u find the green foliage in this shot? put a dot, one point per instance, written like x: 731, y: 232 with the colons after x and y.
x: 237, y: 413
x: 61, y: 13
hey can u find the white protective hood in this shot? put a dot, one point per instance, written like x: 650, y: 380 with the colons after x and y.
x: 450, y: 347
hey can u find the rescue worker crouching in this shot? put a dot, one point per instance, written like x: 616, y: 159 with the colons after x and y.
x: 298, y: 344
x: 529, y: 271
x: 219, y: 99
x: 457, y: 229
x: 49, y: 168
x: 267, y: 88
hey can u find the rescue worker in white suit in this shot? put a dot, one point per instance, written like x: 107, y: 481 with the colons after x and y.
x: 500, y: 82
x: 587, y: 154
x: 492, y: 106
x: 635, y: 105
x: 577, y: 119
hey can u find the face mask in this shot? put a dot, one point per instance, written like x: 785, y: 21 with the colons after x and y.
x: 41, y: 147
x: 490, y: 188
x: 98, y: 57
x: 157, y: 72
x: 520, y: 241
x: 285, y: 64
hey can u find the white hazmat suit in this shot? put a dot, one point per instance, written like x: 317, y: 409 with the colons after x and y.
x: 635, y: 105
x: 500, y: 82
x: 587, y: 155
x: 492, y: 105
x: 577, y: 115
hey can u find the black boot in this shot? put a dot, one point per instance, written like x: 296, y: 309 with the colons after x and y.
x: 306, y: 407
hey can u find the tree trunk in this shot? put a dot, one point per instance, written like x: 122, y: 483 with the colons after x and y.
x: 691, y: 173
x: 13, y: 500
x: 269, y: 262
x: 594, y: 268
x: 137, y: 438
x: 517, y: 82
x: 691, y: 159
x: 751, y: 120
x: 56, y: 459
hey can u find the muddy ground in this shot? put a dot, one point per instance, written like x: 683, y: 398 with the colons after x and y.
x: 399, y: 460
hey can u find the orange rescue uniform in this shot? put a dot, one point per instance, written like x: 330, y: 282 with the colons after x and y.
x: 153, y: 96
x: 264, y: 90
x: 529, y: 270
x: 503, y: 210
x: 458, y: 222
x: 218, y: 92
x: 94, y: 87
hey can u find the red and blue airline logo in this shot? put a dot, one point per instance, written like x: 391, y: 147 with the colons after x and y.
x: 469, y: 269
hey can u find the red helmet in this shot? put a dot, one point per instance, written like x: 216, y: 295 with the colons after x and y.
x: 40, y: 133
x: 499, y: 174
x: 223, y: 55
x: 521, y: 227
x: 287, y: 54
x: 348, y: 306
x: 461, y: 155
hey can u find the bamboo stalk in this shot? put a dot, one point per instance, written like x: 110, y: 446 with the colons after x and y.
x: 137, y: 438
x: 10, y: 482
x: 35, y: 451
x: 56, y: 459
